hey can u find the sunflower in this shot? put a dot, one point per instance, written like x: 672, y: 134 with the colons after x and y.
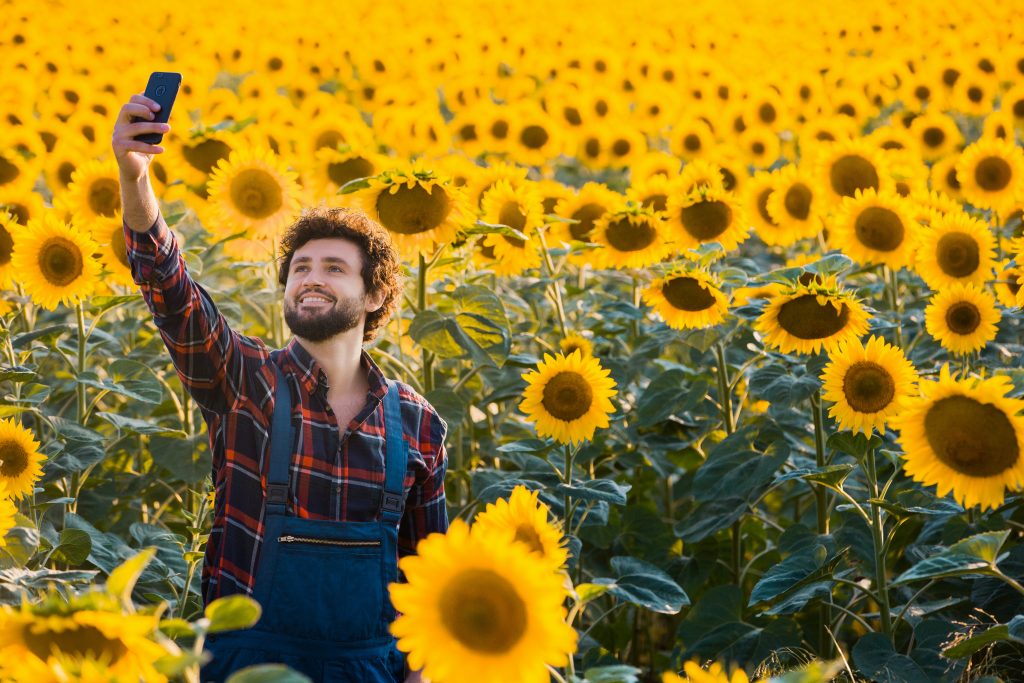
x: 332, y: 168
x: 943, y: 178
x: 937, y: 135
x: 962, y: 317
x: 793, y: 204
x: 652, y: 164
x: 585, y: 207
x: 574, y: 341
x: 867, y: 383
x: 691, y: 138
x: 23, y: 204
x: 991, y: 174
x: 16, y: 171
x: 55, y: 262
x: 21, y: 463
x: 197, y: 156
x: 700, y: 173
x: 8, y: 229
x: 687, y: 300
x: 475, y: 611
x: 755, y: 197
x: 418, y: 208
x: 524, y: 519
x: 568, y: 397
x: 999, y: 125
x: 715, y: 673
x: 707, y: 215
x: 37, y: 641
x: 964, y: 436
x: 631, y: 239
x: 955, y: 248
x: 851, y: 165
x: 811, y: 317
x: 1008, y: 284
x: 761, y: 146
x: 95, y: 192
x: 482, y: 178
x: 652, y: 193
x: 876, y: 228
x: 113, y: 254
x: 518, y: 207
x: 253, y: 190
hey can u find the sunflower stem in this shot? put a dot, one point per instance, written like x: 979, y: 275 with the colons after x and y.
x: 555, y: 288
x: 893, y: 288
x: 881, y: 582
x: 567, y: 479
x: 76, y: 480
x: 821, y: 500
x: 636, y: 305
x: 725, y: 403
x: 428, y: 358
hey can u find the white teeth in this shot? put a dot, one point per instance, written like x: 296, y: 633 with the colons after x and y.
x: 314, y: 298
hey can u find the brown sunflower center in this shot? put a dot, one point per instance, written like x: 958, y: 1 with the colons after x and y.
x: 256, y: 194
x: 691, y: 143
x: 933, y: 137
x: 852, y: 172
x: 706, y: 219
x: 958, y: 254
x: 341, y: 172
x: 963, y: 317
x: 798, y: 201
x: 77, y: 641
x: 413, y: 210
x: 64, y: 172
x: 499, y: 129
x: 568, y: 396
x: 993, y: 174
x: 8, y: 171
x: 105, y: 197
x: 622, y: 235
x: 868, y: 387
x: 205, y: 155
x: 512, y: 216
x: 6, y: 246
x: 805, y: 318
x: 328, y: 138
x: 586, y: 215
x: 762, y: 205
x: 60, y: 261
x: 766, y: 112
x: 879, y: 228
x: 687, y: 294
x: 528, y: 535
x: 973, y: 438
x: 483, y: 611
x: 655, y: 202
x: 13, y: 459
x: 534, y: 136
x: 118, y: 246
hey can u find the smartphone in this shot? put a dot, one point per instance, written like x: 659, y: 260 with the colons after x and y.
x: 162, y: 88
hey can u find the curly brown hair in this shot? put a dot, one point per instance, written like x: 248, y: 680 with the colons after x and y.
x: 382, y: 268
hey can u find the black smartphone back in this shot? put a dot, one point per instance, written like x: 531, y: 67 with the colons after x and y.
x: 162, y: 88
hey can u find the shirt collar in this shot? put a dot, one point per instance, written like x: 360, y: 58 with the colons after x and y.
x: 314, y: 379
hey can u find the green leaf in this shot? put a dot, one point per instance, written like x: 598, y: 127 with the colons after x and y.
x: 585, y: 592
x: 16, y: 374
x: 973, y: 555
x: 354, y: 185
x: 597, y: 489
x: 136, y: 426
x: 875, y: 657
x: 46, y: 335
x: 615, y: 673
x: 710, y: 517
x: 731, y: 470
x: 268, y: 673
x: 476, y: 327
x: 231, y: 613
x: 122, y: 580
x: 832, y: 475
x: 188, y: 460
x: 449, y: 404
x: 1012, y: 631
x: 856, y: 445
x: 74, y: 547
x: 99, y: 304
x: 177, y: 628
x: 481, y: 228
x: 779, y: 385
x: 90, y: 379
x: 641, y: 583
x: 667, y: 394
x: 787, y: 574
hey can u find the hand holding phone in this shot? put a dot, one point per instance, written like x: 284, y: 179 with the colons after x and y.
x: 163, y: 89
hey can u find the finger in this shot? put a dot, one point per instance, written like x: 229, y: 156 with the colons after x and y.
x: 142, y: 147
x: 133, y: 129
x: 143, y: 100
x: 129, y: 111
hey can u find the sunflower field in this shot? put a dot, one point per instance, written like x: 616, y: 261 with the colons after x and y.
x: 721, y: 303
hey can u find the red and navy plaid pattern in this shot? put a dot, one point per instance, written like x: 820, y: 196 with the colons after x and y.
x: 338, y: 474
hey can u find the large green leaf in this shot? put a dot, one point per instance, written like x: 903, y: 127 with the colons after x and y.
x: 474, y: 325
x: 668, y: 394
x: 731, y: 472
x: 268, y: 673
x: 707, y: 518
x: 641, y: 583
x: 973, y: 555
x: 136, y: 426
x: 597, y: 489
x: 122, y: 580
x: 74, y: 547
x: 188, y: 460
x: 788, y: 574
x: 91, y: 379
x: 1012, y: 631
x: 876, y: 659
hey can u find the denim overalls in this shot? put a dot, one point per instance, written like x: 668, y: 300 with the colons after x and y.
x: 323, y: 585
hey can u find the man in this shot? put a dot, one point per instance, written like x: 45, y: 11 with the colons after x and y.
x: 324, y: 470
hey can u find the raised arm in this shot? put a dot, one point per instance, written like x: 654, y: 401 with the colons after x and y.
x: 209, y: 357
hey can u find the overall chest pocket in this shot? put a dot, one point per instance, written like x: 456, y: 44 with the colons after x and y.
x: 326, y: 588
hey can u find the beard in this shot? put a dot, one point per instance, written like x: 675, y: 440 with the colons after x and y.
x: 320, y: 324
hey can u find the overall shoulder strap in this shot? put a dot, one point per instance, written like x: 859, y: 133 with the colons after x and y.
x: 393, y: 499
x: 280, y: 446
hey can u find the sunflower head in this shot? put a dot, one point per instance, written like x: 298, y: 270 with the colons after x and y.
x: 962, y: 317
x: 965, y: 437
x: 876, y: 228
x: 632, y: 238
x: 848, y: 166
x: 574, y: 341
x: 813, y: 316
x: 687, y: 299
x: 955, y: 248
x: 991, y: 173
x: 707, y: 215
x: 55, y: 261
x: 253, y: 189
x: 524, y: 519
x: 568, y: 397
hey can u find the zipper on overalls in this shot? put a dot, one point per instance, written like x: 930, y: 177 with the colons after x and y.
x: 328, y: 541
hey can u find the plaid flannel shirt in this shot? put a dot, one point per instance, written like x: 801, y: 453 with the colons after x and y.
x: 336, y: 474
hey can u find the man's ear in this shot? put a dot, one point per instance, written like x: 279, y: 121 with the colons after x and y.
x: 374, y: 301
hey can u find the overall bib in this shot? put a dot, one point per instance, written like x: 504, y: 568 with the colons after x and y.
x: 323, y: 585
